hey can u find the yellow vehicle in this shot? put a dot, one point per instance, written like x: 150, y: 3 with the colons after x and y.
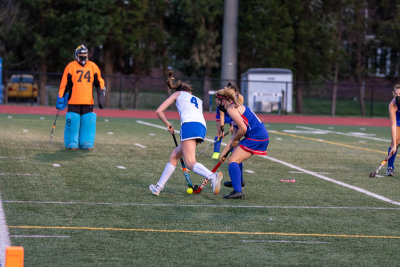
x: 22, y: 86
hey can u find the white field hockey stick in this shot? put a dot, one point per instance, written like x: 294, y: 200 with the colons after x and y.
x: 373, y: 174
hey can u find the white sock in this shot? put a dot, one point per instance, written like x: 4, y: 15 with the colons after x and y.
x: 199, y: 169
x: 168, y: 171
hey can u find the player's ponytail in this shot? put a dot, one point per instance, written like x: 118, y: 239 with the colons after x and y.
x: 178, y: 86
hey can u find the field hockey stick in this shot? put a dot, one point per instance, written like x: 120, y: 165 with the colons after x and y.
x: 54, y: 126
x: 185, y: 170
x: 210, y: 145
x: 373, y: 174
x: 198, y: 189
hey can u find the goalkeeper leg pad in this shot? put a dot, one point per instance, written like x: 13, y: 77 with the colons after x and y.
x: 87, y: 132
x: 71, y: 133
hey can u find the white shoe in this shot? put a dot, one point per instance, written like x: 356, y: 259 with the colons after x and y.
x: 216, y: 182
x: 155, y: 189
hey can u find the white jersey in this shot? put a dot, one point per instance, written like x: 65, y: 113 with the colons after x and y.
x: 190, y: 108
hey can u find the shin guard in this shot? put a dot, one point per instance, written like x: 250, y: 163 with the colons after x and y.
x: 87, y: 132
x: 234, y: 173
x: 71, y: 132
x: 217, y: 144
x: 392, y: 158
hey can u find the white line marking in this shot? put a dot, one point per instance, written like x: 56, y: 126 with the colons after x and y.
x: 56, y: 165
x: 4, y: 236
x: 306, y: 173
x: 139, y: 145
x: 41, y: 236
x: 110, y: 133
x: 334, y: 181
x: 363, y: 191
x: 18, y: 174
x: 249, y: 171
x: 285, y: 241
x: 358, y: 135
x: 25, y: 131
x: 188, y: 205
x: 305, y: 132
x: 121, y: 167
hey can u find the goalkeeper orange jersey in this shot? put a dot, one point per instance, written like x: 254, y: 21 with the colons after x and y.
x: 83, y: 78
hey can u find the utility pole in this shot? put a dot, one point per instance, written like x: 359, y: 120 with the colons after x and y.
x: 229, y: 42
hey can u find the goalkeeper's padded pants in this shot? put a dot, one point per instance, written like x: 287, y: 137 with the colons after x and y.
x: 80, y: 130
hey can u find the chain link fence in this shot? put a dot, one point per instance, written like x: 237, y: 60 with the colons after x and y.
x: 147, y: 92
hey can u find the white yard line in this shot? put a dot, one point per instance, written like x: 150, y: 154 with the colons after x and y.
x: 285, y: 241
x: 4, y: 236
x: 358, y: 189
x: 41, y: 236
x: 25, y: 202
x: 346, y: 134
x: 140, y: 145
x: 363, y: 191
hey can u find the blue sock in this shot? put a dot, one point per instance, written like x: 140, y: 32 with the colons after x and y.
x: 392, y: 158
x: 234, y: 173
x: 217, y: 144
x: 241, y: 171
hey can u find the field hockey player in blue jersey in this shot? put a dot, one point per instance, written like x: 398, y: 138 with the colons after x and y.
x: 394, y: 113
x: 250, y: 137
x: 222, y: 118
x: 193, y: 131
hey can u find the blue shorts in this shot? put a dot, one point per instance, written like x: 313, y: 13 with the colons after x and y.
x: 254, y: 146
x: 227, y: 119
x: 193, y: 130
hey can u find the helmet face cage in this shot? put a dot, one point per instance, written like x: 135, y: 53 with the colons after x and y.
x: 81, y: 54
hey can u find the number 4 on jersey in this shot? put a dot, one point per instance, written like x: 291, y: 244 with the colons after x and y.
x: 193, y: 100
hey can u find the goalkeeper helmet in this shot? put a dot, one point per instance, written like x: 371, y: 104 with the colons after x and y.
x: 81, y: 54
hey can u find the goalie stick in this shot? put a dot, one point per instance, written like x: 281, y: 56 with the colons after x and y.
x: 54, y: 126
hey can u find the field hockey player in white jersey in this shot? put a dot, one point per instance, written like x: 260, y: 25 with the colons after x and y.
x: 193, y: 132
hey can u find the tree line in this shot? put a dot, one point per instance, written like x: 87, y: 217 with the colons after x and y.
x: 319, y: 40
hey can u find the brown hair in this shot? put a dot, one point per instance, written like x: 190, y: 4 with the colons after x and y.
x: 179, y: 85
x: 233, y: 86
x: 229, y: 94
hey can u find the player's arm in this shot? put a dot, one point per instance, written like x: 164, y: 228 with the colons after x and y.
x: 228, y: 146
x: 101, y: 89
x: 242, y: 128
x: 240, y: 99
x: 222, y: 124
x: 393, y: 124
x: 65, y: 90
x: 64, y: 81
x: 160, y: 110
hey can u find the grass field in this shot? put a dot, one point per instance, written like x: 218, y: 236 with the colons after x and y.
x: 94, y: 208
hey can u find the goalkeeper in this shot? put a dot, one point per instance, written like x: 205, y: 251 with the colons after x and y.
x: 76, y: 91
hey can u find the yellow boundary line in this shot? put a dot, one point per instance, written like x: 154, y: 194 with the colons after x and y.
x: 328, y: 142
x: 196, y: 232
